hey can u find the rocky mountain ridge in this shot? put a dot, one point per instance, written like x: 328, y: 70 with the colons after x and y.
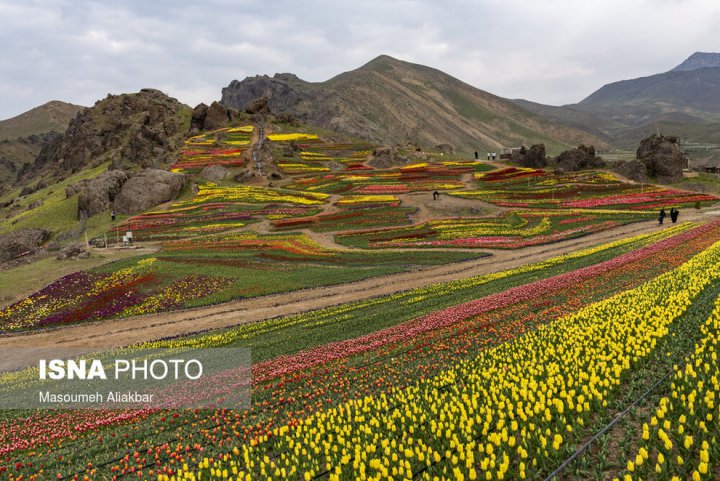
x: 391, y: 101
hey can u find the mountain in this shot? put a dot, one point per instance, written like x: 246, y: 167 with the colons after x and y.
x: 684, y: 101
x: 699, y: 60
x: 144, y: 129
x: 23, y: 137
x: 677, y: 95
x: 53, y: 116
x: 392, y: 101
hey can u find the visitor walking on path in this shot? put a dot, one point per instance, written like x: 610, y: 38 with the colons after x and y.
x: 476, y: 155
x: 493, y: 156
x: 112, y: 215
x: 662, y: 216
x: 674, y: 213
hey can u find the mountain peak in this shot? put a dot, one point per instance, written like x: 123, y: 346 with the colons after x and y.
x: 699, y: 60
x: 381, y: 62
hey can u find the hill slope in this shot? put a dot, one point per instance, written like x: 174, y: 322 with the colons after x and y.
x: 392, y: 101
x: 22, y: 137
x: 686, y: 95
x: 684, y: 101
x: 53, y: 116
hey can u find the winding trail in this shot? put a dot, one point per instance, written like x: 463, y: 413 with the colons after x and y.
x: 122, y: 332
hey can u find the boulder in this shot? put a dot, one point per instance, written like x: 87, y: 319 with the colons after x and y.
x: 663, y: 158
x: 386, y: 157
x: 533, y: 157
x: 445, y: 148
x: 73, y: 251
x: 197, y: 118
x: 287, y: 118
x: 214, y: 172
x: 581, y: 158
x: 22, y: 241
x: 217, y: 117
x: 97, y: 195
x: 634, y: 170
x: 147, y: 189
x: 258, y: 106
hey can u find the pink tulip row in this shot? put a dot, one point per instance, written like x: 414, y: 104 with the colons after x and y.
x: 665, y: 196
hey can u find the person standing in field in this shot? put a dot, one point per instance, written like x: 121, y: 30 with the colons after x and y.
x: 476, y: 155
x: 662, y: 216
x: 674, y: 213
x: 493, y: 156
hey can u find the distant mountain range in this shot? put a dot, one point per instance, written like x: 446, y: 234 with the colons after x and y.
x: 684, y: 101
x: 392, y: 101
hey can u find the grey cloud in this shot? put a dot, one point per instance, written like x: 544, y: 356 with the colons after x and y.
x: 555, y: 51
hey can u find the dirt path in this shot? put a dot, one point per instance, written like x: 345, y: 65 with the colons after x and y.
x: 447, y: 207
x: 121, y: 332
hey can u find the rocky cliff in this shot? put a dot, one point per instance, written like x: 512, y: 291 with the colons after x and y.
x: 140, y: 130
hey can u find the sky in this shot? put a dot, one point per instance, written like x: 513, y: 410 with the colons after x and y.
x: 550, y: 51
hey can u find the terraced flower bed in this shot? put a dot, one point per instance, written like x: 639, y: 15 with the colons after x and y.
x: 522, y: 188
x: 430, y: 372
x: 353, y: 217
x: 511, y: 231
x: 419, y: 177
x: 223, y: 147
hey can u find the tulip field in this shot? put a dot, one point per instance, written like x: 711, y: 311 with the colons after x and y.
x: 202, y: 271
x: 500, y: 376
x: 223, y: 147
x: 530, y: 354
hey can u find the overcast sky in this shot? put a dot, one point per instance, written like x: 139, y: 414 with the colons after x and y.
x: 550, y: 51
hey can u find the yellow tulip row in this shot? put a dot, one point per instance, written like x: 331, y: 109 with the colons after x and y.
x: 364, y: 199
x: 682, y: 438
x: 507, y: 414
x: 244, y: 193
x: 460, y: 228
x: 291, y: 137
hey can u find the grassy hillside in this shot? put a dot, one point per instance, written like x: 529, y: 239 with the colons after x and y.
x: 56, y: 212
x: 52, y: 116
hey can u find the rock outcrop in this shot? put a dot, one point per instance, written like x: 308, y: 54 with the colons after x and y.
x: 445, y: 149
x: 97, y: 195
x: 20, y: 242
x: 386, y: 157
x: 210, y: 118
x: 147, y: 189
x: 214, y: 172
x: 258, y: 106
x: 633, y: 170
x: 663, y: 158
x: 73, y: 251
x: 581, y: 158
x: 132, y: 131
x: 533, y: 157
